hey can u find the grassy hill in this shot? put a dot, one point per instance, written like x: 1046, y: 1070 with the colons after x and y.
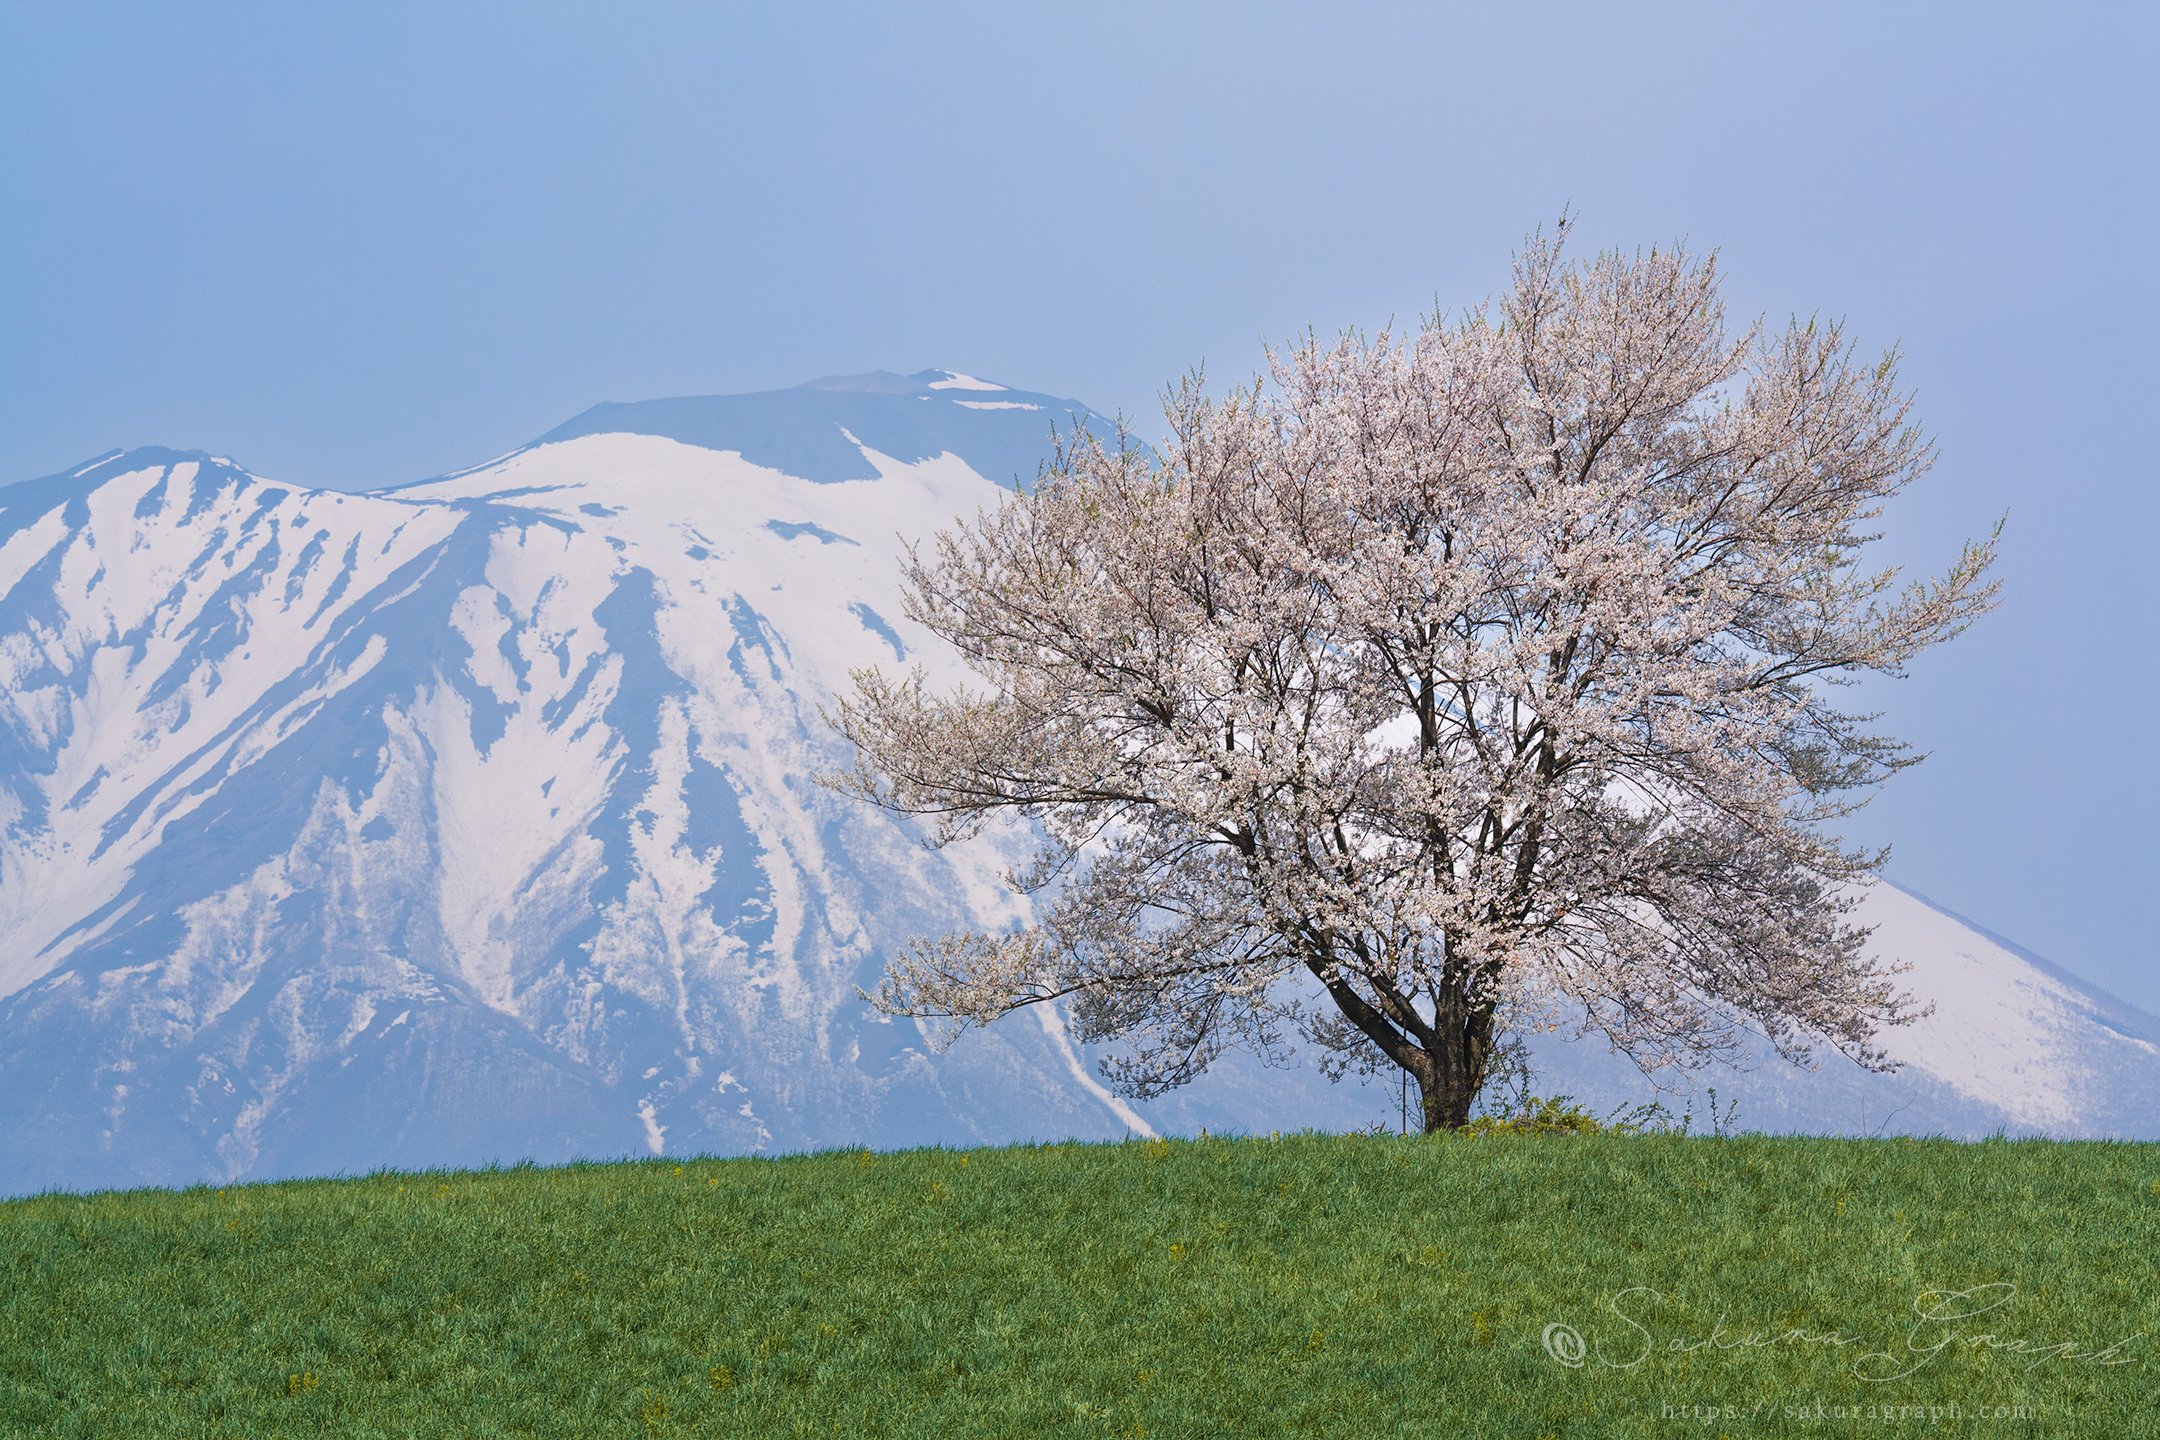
x: 1307, y: 1285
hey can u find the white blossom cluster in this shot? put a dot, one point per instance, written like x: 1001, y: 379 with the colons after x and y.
x: 1468, y: 671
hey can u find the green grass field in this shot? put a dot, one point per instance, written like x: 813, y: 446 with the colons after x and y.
x: 1309, y: 1285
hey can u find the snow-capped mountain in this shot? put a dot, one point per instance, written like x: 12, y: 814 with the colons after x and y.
x: 472, y: 819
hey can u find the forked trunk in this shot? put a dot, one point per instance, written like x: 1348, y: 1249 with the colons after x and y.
x: 1448, y: 1057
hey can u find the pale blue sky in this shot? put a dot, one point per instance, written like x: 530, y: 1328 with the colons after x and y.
x: 358, y: 245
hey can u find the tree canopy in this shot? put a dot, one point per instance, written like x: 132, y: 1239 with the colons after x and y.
x: 1483, y: 669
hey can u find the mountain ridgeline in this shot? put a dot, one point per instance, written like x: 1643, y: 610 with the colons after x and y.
x: 473, y: 819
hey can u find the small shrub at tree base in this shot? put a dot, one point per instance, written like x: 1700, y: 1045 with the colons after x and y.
x: 1556, y: 1115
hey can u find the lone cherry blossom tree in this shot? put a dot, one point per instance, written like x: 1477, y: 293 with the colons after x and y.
x: 1482, y: 673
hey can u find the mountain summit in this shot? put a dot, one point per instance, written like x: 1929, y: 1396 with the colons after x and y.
x: 472, y: 819
x: 825, y: 430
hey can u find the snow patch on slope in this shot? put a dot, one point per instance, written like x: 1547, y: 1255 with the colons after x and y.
x: 190, y: 631
x: 2003, y: 1030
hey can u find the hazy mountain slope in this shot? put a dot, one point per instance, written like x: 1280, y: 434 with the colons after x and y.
x: 2014, y: 1044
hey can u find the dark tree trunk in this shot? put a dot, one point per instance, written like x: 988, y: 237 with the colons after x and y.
x: 1457, y: 1056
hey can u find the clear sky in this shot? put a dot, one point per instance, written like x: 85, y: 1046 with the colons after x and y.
x: 354, y: 245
